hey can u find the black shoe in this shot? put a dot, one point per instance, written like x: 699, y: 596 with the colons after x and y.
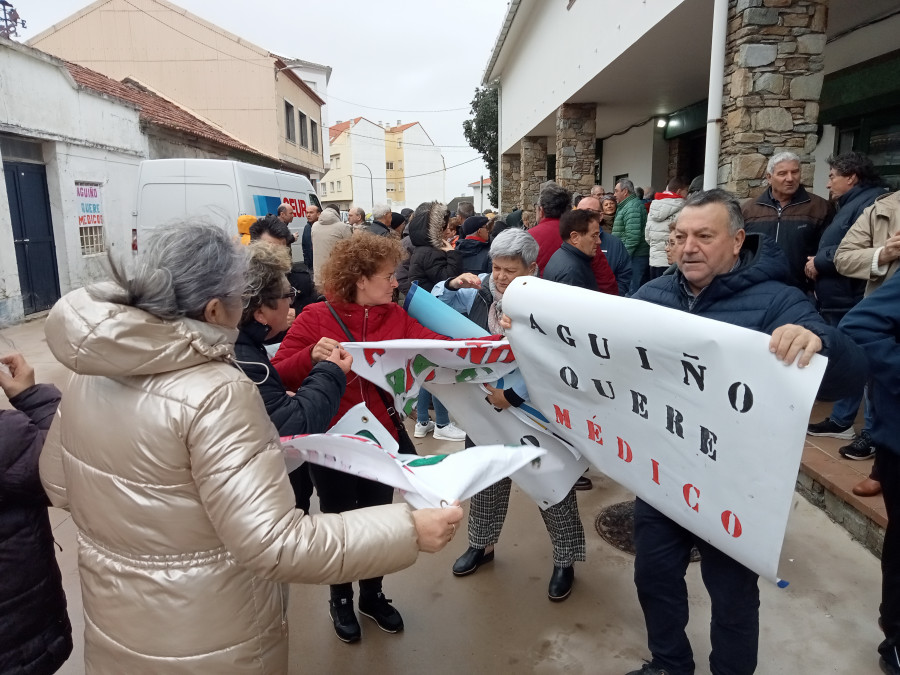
x: 860, y: 448
x: 471, y: 560
x: 346, y: 625
x: 649, y: 669
x: 583, y: 483
x: 379, y: 609
x: 828, y: 427
x: 561, y: 583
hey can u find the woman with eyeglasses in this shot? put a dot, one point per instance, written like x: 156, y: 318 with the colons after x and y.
x: 267, y: 312
x: 163, y: 452
x: 359, y: 282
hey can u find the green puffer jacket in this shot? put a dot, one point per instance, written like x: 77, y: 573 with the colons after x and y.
x: 631, y: 219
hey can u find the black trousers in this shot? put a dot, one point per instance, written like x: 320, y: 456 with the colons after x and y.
x: 339, y: 492
x: 301, y: 481
x: 663, y: 552
x: 889, y: 473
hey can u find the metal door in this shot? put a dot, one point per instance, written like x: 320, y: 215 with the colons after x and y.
x: 29, y: 209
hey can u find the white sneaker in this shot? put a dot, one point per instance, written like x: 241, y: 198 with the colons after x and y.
x: 423, y: 429
x: 451, y: 432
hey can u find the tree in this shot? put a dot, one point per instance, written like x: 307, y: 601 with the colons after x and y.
x: 481, y: 133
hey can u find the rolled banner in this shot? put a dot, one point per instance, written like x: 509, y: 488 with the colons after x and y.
x: 438, y: 316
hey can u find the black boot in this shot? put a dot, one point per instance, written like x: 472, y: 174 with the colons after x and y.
x: 561, y: 583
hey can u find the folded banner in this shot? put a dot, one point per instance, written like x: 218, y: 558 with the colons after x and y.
x: 431, y: 481
x: 402, y: 366
x: 694, y: 416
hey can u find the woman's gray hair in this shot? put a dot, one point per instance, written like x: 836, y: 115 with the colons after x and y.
x: 181, y: 268
x: 515, y: 243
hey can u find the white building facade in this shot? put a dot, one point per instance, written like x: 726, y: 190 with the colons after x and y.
x: 70, y: 158
x: 358, y: 175
x: 626, y: 93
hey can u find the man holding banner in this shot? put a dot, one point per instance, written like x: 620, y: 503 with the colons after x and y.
x: 740, y: 279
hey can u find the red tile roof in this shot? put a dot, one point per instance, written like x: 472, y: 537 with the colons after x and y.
x: 402, y: 127
x: 487, y: 181
x: 156, y: 110
x: 338, y: 129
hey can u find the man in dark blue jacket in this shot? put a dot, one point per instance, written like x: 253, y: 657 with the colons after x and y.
x: 571, y: 264
x: 740, y: 279
x: 854, y: 181
x: 874, y: 324
x: 612, y: 247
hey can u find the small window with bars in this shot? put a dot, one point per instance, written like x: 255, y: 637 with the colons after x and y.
x: 92, y: 239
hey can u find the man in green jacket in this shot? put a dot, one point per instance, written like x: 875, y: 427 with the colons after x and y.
x: 631, y: 219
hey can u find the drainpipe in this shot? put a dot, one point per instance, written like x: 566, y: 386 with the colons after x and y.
x: 716, y: 86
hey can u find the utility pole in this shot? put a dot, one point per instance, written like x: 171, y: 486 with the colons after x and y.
x: 481, y: 193
x: 10, y: 20
x: 371, y: 186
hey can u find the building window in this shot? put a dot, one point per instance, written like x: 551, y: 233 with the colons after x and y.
x: 390, y: 187
x: 335, y: 161
x: 324, y: 191
x: 90, y: 218
x: 339, y: 186
x: 314, y: 132
x: 390, y: 166
x: 399, y: 144
x: 304, y: 132
x: 331, y: 186
x: 400, y: 165
x: 290, y: 131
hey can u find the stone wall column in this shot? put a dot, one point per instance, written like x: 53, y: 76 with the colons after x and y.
x: 773, y: 79
x: 534, y: 169
x: 576, y: 137
x: 510, y: 182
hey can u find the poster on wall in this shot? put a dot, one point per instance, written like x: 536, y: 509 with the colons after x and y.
x: 89, y: 208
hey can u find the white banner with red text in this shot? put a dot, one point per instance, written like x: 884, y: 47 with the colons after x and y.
x: 695, y: 416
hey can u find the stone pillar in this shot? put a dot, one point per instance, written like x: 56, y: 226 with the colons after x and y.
x: 510, y: 182
x: 773, y: 79
x: 534, y: 169
x: 576, y: 137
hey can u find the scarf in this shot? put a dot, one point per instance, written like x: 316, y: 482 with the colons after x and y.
x: 495, y: 311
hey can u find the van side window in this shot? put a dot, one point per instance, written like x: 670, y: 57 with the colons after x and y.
x: 315, y: 200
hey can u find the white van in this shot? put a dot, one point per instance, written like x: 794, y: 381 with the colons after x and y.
x: 219, y: 190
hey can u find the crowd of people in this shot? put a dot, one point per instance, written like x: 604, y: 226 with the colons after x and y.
x: 190, y: 527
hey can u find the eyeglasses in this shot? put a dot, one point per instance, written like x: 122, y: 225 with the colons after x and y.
x: 388, y: 278
x: 290, y: 294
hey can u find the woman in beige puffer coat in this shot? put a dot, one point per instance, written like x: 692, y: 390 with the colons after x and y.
x: 176, y: 481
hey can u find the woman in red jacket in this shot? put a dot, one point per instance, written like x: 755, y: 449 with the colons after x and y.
x: 359, y: 283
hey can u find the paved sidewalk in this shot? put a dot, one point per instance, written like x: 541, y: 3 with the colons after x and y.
x: 500, y: 621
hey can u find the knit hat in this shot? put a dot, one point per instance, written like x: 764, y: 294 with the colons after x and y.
x: 472, y: 225
x: 514, y: 219
x: 397, y: 220
x: 243, y: 226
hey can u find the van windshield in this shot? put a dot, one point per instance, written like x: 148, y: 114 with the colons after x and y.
x: 315, y: 200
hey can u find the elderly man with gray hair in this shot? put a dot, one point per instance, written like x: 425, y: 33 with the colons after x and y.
x: 790, y: 215
x: 465, y: 210
x: 381, y: 220
x: 629, y: 226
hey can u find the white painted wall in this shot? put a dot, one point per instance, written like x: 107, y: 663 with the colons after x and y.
x: 85, y: 137
x: 10, y: 292
x: 117, y: 176
x: 421, y: 156
x: 538, y: 76
x: 630, y: 153
x: 317, y: 78
x: 367, y: 147
x: 820, y: 154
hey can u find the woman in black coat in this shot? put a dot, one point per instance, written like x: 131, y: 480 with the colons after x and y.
x: 309, y: 410
x: 35, y: 633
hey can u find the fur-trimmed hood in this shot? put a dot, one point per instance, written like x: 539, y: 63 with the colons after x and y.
x: 426, y: 227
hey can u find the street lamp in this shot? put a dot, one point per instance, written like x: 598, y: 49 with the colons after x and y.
x: 371, y: 184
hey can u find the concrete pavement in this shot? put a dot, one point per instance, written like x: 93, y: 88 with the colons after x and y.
x: 499, y: 619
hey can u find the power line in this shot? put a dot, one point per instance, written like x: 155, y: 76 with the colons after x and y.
x: 425, y: 145
x: 370, y: 107
x: 474, y: 159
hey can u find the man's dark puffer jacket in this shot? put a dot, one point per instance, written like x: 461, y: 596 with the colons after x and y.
x: 756, y: 295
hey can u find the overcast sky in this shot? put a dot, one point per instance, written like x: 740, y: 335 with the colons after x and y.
x: 395, y: 54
